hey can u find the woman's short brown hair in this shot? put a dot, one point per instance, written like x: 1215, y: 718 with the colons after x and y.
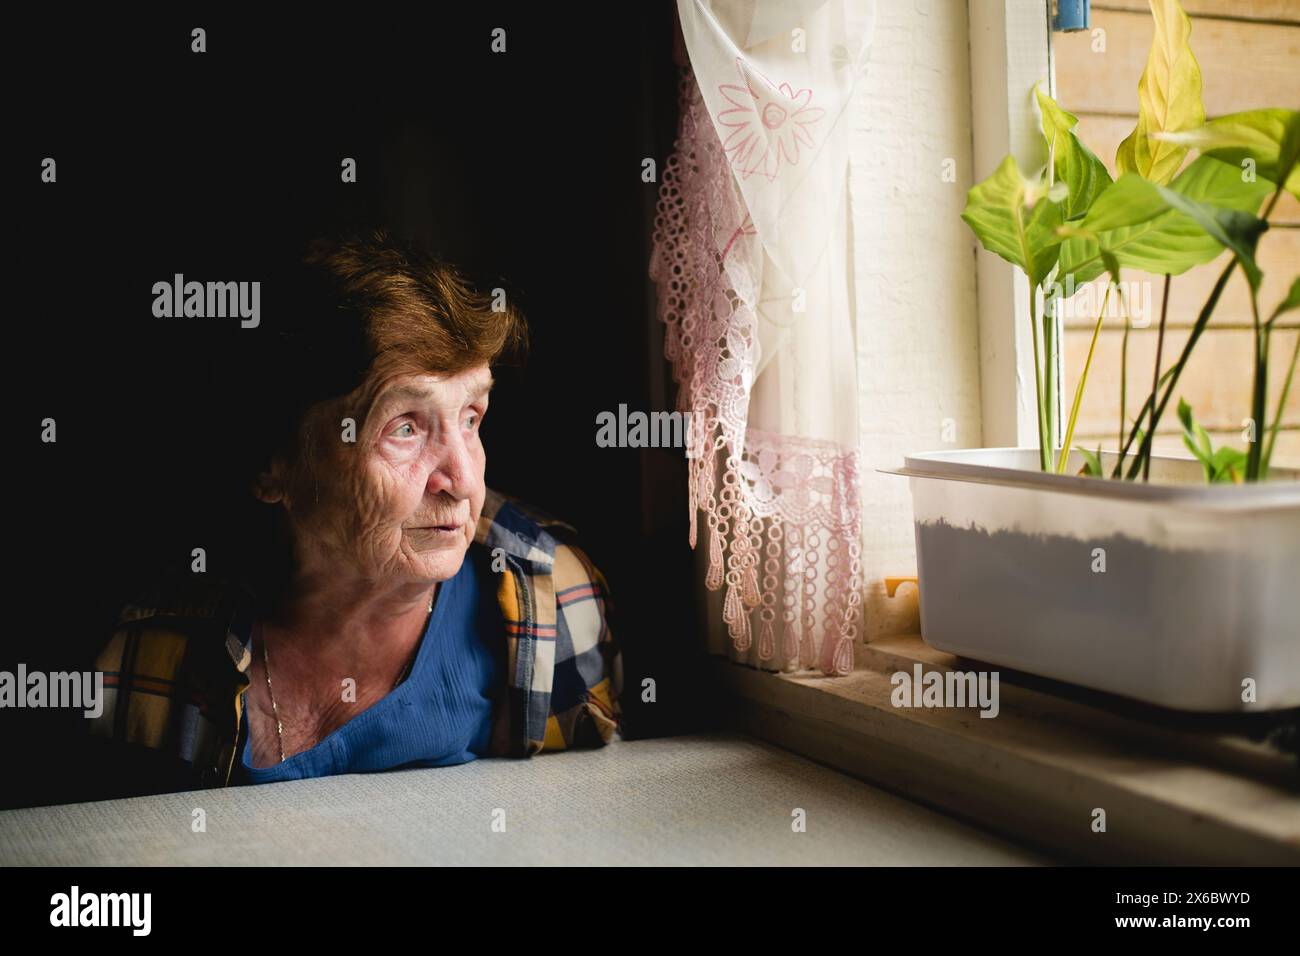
x: 365, y: 305
x: 420, y: 314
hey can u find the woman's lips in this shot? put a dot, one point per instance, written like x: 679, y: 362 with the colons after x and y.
x: 433, y: 536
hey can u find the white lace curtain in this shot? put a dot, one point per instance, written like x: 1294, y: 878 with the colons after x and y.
x: 752, y: 266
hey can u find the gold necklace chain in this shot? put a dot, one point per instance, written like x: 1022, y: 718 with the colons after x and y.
x: 266, y: 661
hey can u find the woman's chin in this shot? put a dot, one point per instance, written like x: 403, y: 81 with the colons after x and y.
x: 440, y: 564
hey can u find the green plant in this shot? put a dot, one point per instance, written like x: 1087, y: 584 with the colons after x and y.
x: 1092, y: 462
x: 1070, y: 224
x: 1222, y: 465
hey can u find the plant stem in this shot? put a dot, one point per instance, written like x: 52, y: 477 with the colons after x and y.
x: 1259, y: 393
x: 1281, y: 404
x: 1051, y: 378
x: 1201, y: 321
x: 1078, y: 391
x: 1277, y: 194
x: 1267, y: 456
x: 1043, y: 463
x: 1155, y: 375
x: 1123, y: 389
x: 1256, y: 461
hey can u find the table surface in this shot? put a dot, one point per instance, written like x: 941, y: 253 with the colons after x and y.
x: 707, y: 799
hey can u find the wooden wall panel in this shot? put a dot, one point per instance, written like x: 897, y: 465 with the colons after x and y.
x: 1244, y: 64
x: 1249, y: 53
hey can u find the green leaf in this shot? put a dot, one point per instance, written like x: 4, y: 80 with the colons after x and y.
x: 1129, y: 201
x: 1224, y: 465
x: 1231, y: 228
x: 1270, y: 138
x: 1292, y: 301
x: 1228, y: 465
x: 1134, y: 222
x: 1169, y: 98
x: 1191, y: 435
x: 1091, y: 461
x: 1074, y: 163
x: 1203, y: 442
x: 1015, y: 219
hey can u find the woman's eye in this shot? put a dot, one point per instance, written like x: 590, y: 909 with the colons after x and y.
x: 401, y: 431
x: 472, y: 421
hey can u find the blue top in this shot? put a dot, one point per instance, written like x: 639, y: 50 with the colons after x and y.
x: 441, y: 714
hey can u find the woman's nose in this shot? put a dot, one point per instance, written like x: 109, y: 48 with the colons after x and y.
x: 454, y: 470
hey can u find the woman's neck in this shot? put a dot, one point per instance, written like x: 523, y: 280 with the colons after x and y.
x: 322, y: 633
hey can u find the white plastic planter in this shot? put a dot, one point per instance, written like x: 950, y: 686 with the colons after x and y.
x: 1200, y: 589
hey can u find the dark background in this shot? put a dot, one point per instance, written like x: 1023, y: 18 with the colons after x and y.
x: 523, y: 168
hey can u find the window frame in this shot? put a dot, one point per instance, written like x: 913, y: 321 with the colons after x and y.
x: 1010, y: 51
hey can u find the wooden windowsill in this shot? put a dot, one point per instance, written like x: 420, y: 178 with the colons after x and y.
x: 1175, y: 788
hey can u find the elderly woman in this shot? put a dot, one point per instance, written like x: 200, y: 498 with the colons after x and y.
x: 405, y: 615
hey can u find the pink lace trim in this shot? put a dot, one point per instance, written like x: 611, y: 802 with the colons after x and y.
x: 785, y: 525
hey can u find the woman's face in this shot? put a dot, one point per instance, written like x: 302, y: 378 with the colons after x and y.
x: 400, y: 503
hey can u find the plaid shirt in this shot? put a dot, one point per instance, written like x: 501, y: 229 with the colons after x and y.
x: 178, y: 661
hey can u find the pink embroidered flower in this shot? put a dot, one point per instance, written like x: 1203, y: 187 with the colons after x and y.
x: 800, y: 485
x: 738, y: 366
x: 746, y: 228
x: 793, y: 477
x: 768, y: 123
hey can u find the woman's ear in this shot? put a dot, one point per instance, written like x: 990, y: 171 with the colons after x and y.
x: 267, y: 486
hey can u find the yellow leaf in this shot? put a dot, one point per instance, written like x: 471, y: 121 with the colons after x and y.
x: 1169, y: 98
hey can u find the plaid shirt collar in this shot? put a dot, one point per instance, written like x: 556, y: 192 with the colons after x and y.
x: 502, y: 528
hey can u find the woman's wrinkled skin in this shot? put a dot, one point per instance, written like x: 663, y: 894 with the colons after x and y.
x: 376, y: 524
